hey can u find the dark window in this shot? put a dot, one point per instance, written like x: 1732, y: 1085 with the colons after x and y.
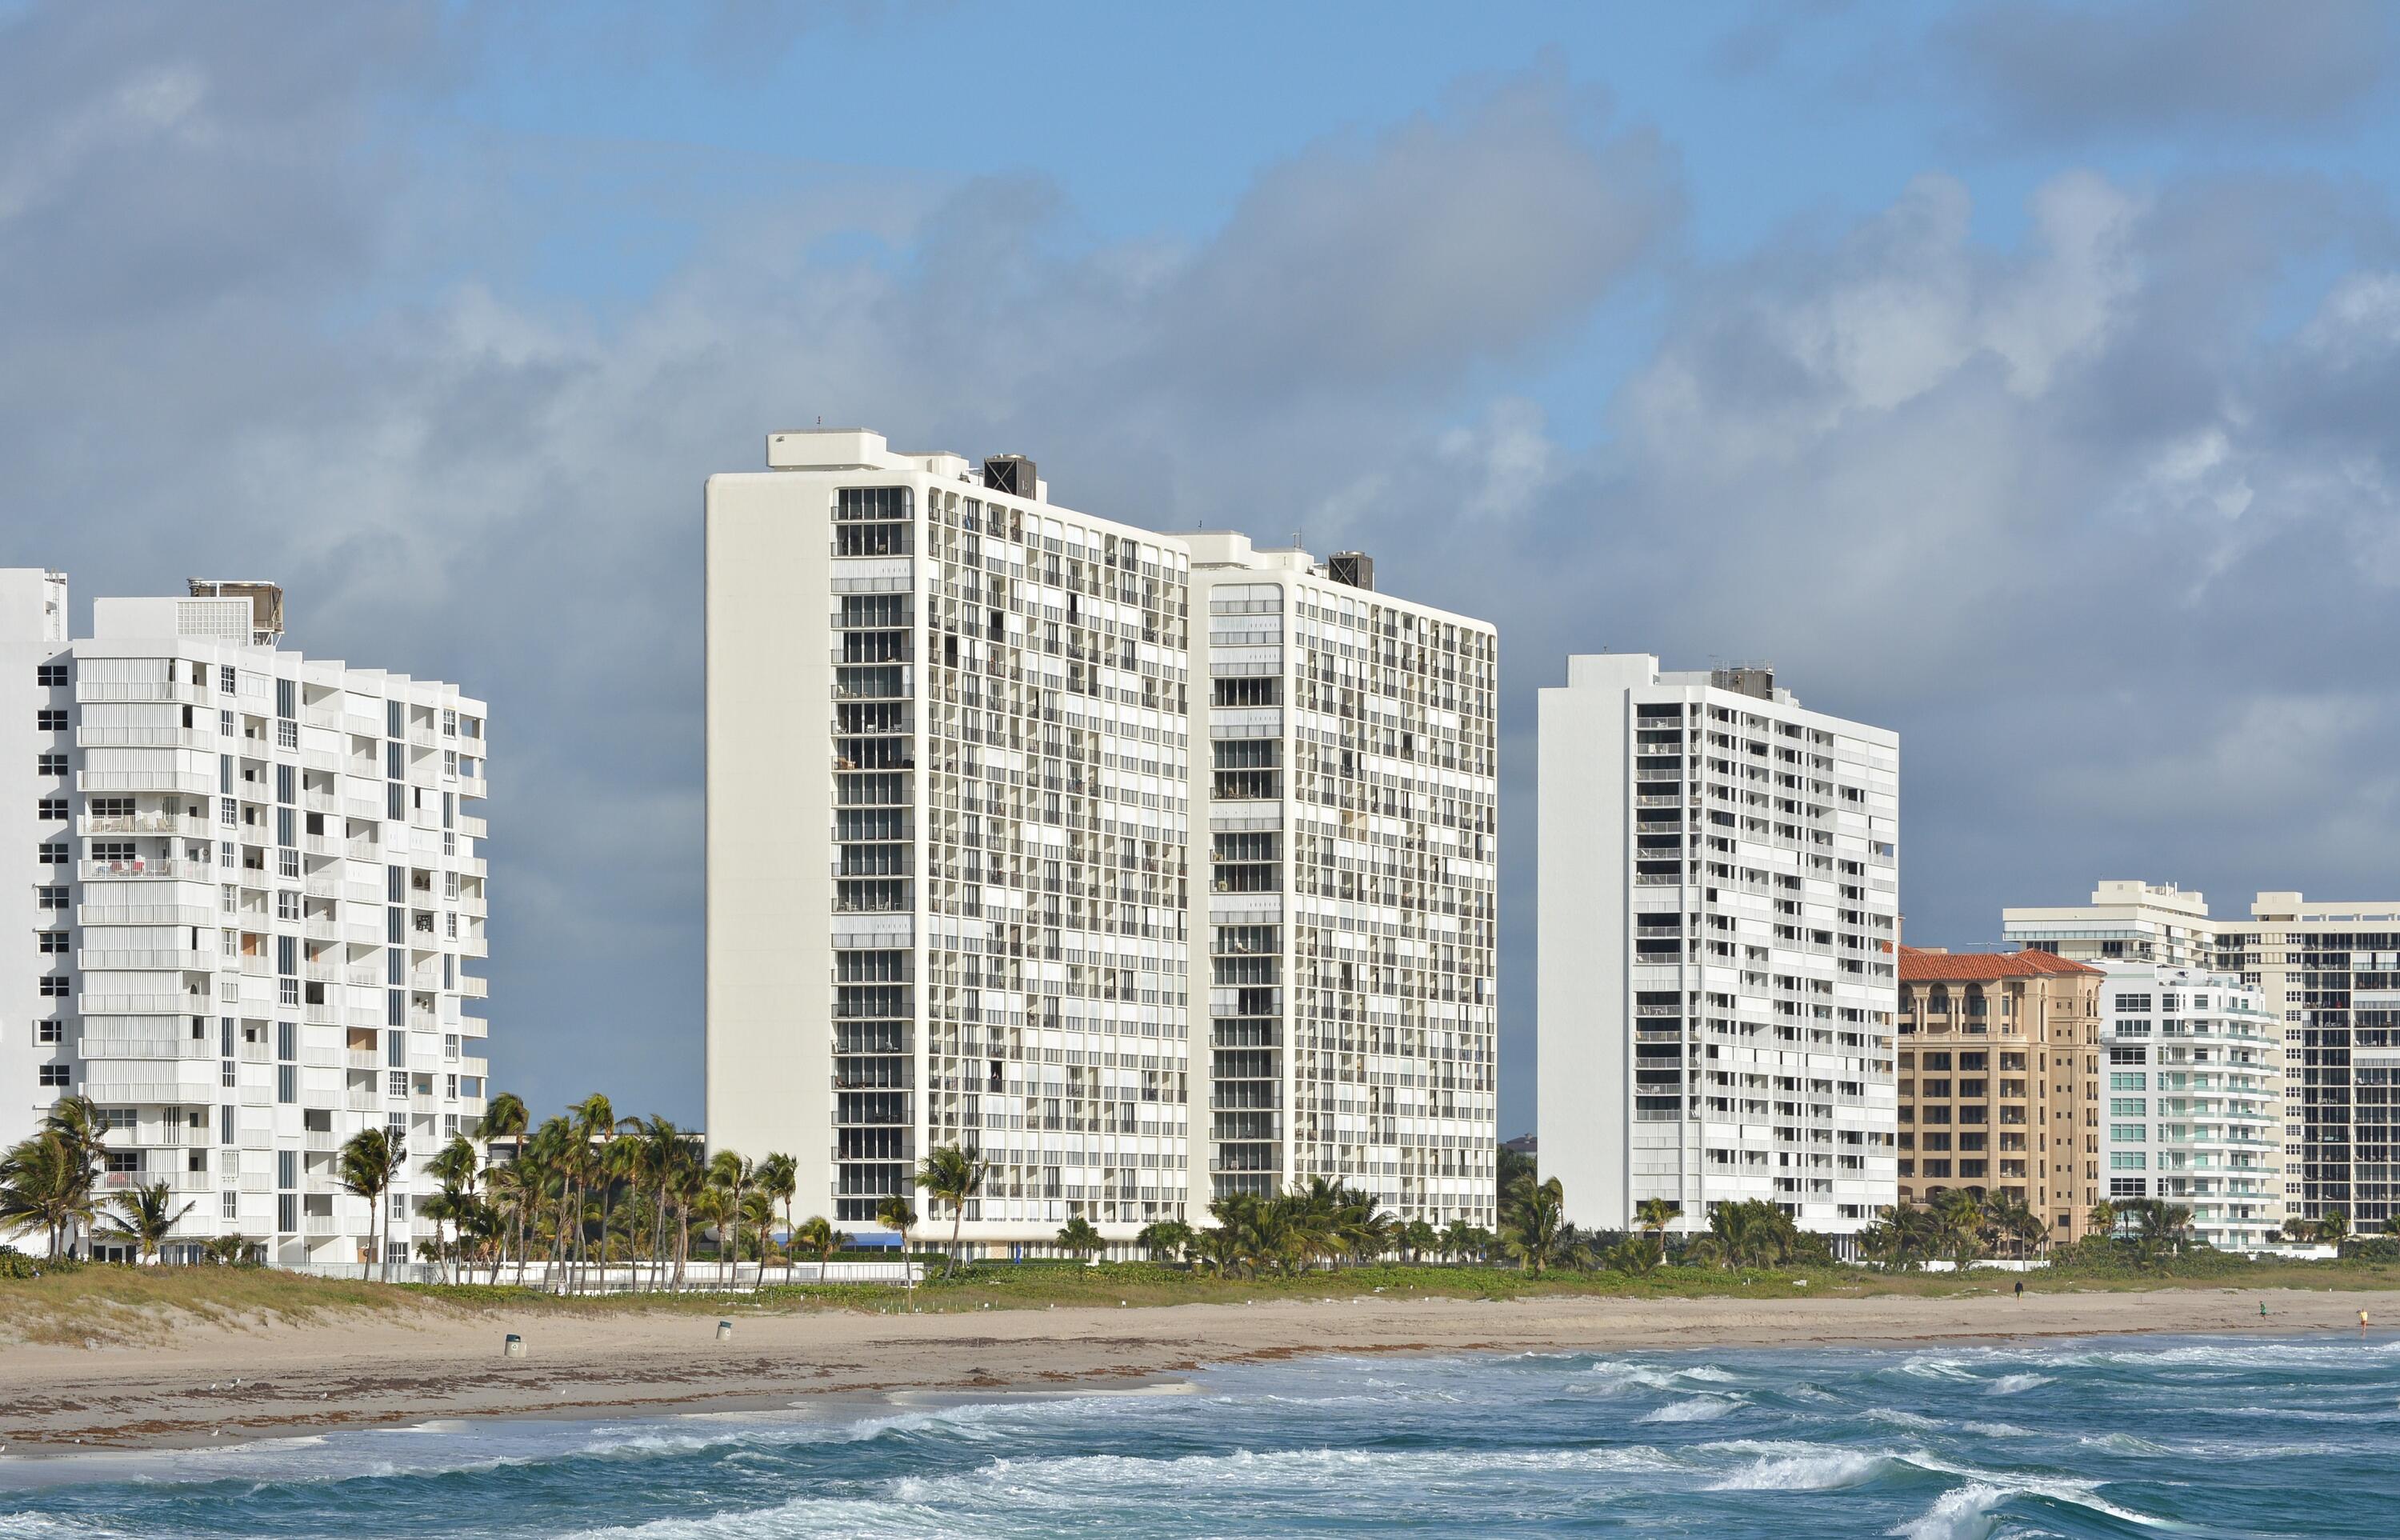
x: 50, y: 764
x: 49, y: 673
x: 49, y: 721
x: 54, y: 1074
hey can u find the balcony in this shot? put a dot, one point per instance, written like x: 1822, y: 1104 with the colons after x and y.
x: 169, y: 869
x: 183, y: 783
x: 176, y: 825
x: 143, y: 1005
x: 321, y: 1224
x: 147, y: 738
x: 103, y: 1050
x: 176, y: 961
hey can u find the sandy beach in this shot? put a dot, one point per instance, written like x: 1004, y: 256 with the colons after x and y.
x: 210, y: 1380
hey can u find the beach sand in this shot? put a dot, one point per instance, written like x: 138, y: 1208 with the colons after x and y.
x: 381, y: 1368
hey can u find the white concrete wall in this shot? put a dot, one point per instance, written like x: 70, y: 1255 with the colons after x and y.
x: 769, y: 686
x: 1582, y: 996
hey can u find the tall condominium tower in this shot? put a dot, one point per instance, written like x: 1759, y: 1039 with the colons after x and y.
x: 2329, y: 972
x: 247, y: 914
x: 1719, y: 898
x: 956, y: 877
x: 1347, y: 955
x: 948, y: 836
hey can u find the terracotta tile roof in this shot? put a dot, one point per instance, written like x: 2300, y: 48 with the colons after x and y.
x: 1959, y: 967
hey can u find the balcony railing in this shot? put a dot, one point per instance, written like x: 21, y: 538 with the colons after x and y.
x: 168, y: 867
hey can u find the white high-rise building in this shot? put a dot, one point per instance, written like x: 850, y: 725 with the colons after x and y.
x: 1719, y: 898
x: 247, y: 911
x: 949, y: 837
x: 2194, y: 1061
x: 957, y: 832
x: 2328, y: 972
x: 1348, y: 956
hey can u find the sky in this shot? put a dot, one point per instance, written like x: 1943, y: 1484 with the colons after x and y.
x: 2025, y: 379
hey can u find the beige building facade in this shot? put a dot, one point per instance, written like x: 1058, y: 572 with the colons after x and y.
x: 1999, y: 1079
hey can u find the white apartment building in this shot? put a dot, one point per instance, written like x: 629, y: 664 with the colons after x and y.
x: 954, y: 859
x: 246, y: 911
x: 1719, y: 898
x: 1348, y: 956
x: 2195, y: 1099
x: 949, y: 837
x: 2329, y: 972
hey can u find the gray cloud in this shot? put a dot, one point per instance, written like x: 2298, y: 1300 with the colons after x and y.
x: 2111, y: 552
x: 2056, y: 69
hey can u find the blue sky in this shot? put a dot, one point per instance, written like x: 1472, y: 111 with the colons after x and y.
x: 2020, y: 377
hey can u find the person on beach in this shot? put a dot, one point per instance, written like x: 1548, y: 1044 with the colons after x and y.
x: 2020, y: 1289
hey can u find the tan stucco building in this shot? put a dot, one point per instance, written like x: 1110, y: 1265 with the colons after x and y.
x: 1999, y: 1080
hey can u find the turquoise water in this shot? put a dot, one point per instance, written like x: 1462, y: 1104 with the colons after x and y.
x: 2097, y: 1438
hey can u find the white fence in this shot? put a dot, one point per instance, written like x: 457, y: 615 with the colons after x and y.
x: 699, y: 1278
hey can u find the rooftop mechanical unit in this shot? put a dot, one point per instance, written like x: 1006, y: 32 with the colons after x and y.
x: 1355, y: 567
x: 1010, y: 473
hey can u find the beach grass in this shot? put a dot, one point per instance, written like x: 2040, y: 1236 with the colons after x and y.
x: 128, y: 1306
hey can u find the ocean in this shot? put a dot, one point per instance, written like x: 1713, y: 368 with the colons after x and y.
x: 2245, y: 1437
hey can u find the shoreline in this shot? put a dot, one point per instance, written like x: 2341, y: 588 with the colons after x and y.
x: 358, y: 1372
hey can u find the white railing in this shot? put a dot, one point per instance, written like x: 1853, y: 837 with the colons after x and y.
x: 151, y: 866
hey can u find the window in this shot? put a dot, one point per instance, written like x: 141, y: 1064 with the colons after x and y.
x: 54, y: 1074
x: 50, y: 808
x: 50, y: 764
x: 49, y: 721
x: 45, y: 674
x: 50, y: 1032
x: 51, y: 899
x: 53, y: 943
x: 57, y: 985
x: 53, y: 852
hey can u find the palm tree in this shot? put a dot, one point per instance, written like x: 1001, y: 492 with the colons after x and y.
x: 1077, y: 1238
x: 2007, y: 1217
x: 452, y: 1168
x: 729, y: 1173
x: 2102, y: 1220
x: 1961, y: 1213
x: 229, y: 1250
x: 1217, y: 1251
x: 1654, y: 1215
x: 1416, y: 1238
x: 818, y: 1235
x: 1532, y: 1230
x: 952, y: 1174
x: 593, y: 1123
x: 505, y: 1118
x: 50, y: 1178
x: 2298, y: 1230
x: 1166, y: 1240
x: 758, y: 1211
x: 144, y: 1215
x: 368, y: 1164
x: 1464, y: 1240
x: 897, y: 1213
x: 779, y: 1178
x: 665, y: 1151
x: 2334, y: 1228
x: 38, y: 1187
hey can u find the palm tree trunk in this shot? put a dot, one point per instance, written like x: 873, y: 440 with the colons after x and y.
x: 958, y: 1217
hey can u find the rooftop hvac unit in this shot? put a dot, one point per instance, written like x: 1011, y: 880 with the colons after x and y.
x: 1010, y: 473
x: 1355, y: 567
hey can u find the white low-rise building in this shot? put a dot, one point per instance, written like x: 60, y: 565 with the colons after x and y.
x: 2194, y: 1099
x: 248, y: 912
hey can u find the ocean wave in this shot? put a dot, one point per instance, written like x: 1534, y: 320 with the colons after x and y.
x: 1810, y: 1468
x: 2014, y: 1385
x: 1697, y: 1408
